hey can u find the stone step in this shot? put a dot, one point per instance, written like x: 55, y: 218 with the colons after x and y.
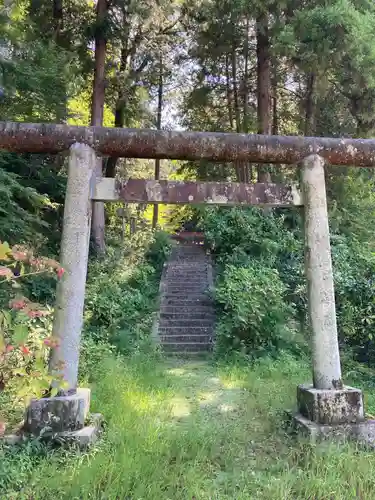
x: 180, y: 249
x: 198, y: 258
x: 199, y: 255
x: 184, y: 287
x: 198, y: 339
x: 193, y: 295
x: 188, y: 291
x: 198, y: 274
x: 190, y: 315
x: 186, y: 280
x: 187, y: 252
x: 187, y: 271
x: 176, y: 300
x: 185, y: 347
x: 178, y: 277
x: 190, y: 330
x: 184, y: 310
x: 189, y: 354
x: 185, y: 322
x: 193, y: 264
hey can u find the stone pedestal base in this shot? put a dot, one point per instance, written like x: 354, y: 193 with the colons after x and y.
x: 362, y: 432
x: 82, y: 438
x: 58, y: 414
x: 330, y: 407
x: 333, y: 414
x: 62, y: 419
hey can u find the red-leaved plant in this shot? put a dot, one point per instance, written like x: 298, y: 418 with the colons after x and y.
x: 25, y: 338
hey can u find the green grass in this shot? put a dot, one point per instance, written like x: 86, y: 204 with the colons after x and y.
x: 192, y: 430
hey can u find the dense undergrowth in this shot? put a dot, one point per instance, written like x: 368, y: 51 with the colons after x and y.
x: 261, y: 287
x: 181, y: 430
x: 121, y: 297
x: 209, y: 430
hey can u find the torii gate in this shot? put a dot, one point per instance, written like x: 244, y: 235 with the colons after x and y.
x: 325, y: 407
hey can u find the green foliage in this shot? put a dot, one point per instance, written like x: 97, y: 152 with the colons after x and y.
x: 122, y: 289
x: 35, y: 83
x: 184, y: 430
x: 21, y: 208
x: 235, y: 235
x: 256, y: 251
x: 251, y: 250
x: 354, y: 289
x: 158, y: 250
x: 92, y: 353
x: 25, y: 338
x: 254, y: 315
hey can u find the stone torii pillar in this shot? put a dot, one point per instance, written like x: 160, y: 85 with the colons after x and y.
x: 65, y: 414
x: 319, y: 274
x: 327, y: 406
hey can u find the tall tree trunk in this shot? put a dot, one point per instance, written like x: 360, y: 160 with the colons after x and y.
x: 245, y: 128
x: 58, y: 25
x: 119, y: 110
x: 158, y: 126
x: 97, y: 112
x: 263, y: 85
x: 58, y: 19
x: 122, y: 100
x: 229, y: 93
x: 275, y: 116
x: 237, y: 112
x: 309, y: 128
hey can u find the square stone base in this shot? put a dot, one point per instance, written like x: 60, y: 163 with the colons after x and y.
x: 330, y: 407
x: 361, y: 432
x: 83, y: 438
x: 58, y: 414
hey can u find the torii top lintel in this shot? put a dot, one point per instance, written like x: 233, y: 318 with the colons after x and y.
x: 182, y: 145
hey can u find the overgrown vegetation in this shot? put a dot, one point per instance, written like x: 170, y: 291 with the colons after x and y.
x: 261, y: 289
x: 185, y: 430
x: 120, y: 302
x: 250, y: 245
x: 193, y: 430
x: 122, y: 291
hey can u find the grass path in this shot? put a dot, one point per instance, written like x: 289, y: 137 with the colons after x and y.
x: 192, y: 430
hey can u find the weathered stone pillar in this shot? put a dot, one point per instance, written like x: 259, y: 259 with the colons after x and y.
x: 65, y: 416
x: 321, y: 298
x: 325, y: 408
x: 70, y: 292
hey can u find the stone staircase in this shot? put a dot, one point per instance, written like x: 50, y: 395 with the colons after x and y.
x: 186, y: 318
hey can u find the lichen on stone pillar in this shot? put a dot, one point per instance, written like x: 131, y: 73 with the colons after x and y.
x: 70, y: 293
x: 319, y: 274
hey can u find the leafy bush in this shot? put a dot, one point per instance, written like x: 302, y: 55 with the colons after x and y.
x: 25, y: 338
x: 249, y: 239
x: 21, y: 208
x: 92, y: 354
x: 354, y: 272
x: 235, y: 235
x: 254, y: 314
x: 253, y: 252
x: 158, y: 250
x: 122, y: 290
